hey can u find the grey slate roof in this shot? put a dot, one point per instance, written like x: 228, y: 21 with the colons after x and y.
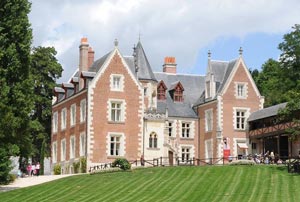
x: 67, y: 85
x: 266, y: 112
x: 193, y: 87
x: 221, y: 71
x: 176, y: 109
x: 98, y: 63
x: 59, y: 90
x: 144, y: 68
x: 88, y: 74
x: 193, y: 84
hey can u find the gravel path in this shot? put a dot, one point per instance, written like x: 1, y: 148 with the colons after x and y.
x: 30, y: 181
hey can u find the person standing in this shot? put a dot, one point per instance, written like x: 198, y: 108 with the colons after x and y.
x: 37, y: 168
x: 32, y: 169
x: 29, y: 169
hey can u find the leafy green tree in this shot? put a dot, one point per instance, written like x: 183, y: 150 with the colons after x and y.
x: 45, y: 69
x: 269, y: 82
x: 16, y: 88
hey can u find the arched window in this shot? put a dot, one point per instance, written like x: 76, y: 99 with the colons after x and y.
x: 153, y: 140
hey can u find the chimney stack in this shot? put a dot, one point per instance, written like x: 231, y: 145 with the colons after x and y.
x: 91, y: 56
x: 83, y: 59
x: 170, y: 65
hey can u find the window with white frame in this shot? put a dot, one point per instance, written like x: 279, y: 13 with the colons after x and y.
x: 82, y: 110
x: 54, y: 152
x: 240, y: 119
x: 208, y: 120
x: 153, y: 140
x: 82, y: 144
x: 72, y: 147
x: 63, y: 118
x: 55, y: 122
x: 116, y: 111
x: 241, y: 90
x: 115, y: 141
x: 185, y: 130
x: 116, y: 82
x: 185, y: 154
x: 63, y: 150
x: 73, y: 114
x: 170, y: 129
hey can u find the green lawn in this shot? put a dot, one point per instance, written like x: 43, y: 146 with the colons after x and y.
x: 216, y: 183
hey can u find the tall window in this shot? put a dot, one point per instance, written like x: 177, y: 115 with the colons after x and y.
x: 55, y: 122
x: 63, y: 150
x: 185, y: 154
x: 115, y: 145
x: 63, y: 119
x: 161, y: 91
x: 82, y: 144
x: 72, y: 147
x: 116, y: 82
x: 54, y: 152
x: 82, y: 110
x: 208, y: 120
x: 240, y: 119
x: 185, y: 133
x: 116, y: 111
x: 178, y: 95
x: 170, y: 129
x: 241, y: 90
x: 153, y: 140
x: 73, y: 115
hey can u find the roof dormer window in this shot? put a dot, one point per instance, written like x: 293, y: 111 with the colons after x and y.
x: 161, y: 91
x: 176, y: 92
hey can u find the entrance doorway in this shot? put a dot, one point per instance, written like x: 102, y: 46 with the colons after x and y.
x: 171, y: 158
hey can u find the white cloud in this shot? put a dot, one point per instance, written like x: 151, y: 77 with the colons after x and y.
x: 176, y: 28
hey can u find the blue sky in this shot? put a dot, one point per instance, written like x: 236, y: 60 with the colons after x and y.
x: 185, y: 29
x: 257, y: 49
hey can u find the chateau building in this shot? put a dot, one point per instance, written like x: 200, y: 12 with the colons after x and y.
x: 117, y: 106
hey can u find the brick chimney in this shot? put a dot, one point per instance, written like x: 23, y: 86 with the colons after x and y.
x: 91, y: 56
x: 83, y: 59
x: 170, y: 65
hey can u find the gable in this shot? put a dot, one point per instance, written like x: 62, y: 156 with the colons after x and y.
x: 109, y: 60
x: 240, y: 73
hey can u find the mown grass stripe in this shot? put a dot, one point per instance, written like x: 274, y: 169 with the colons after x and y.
x: 214, y: 183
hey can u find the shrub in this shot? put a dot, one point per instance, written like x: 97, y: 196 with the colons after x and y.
x: 76, y: 166
x: 122, y: 163
x: 243, y: 162
x: 83, y: 165
x: 57, y: 169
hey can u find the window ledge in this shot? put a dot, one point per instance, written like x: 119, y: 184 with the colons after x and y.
x: 155, y: 149
x: 114, y: 157
x: 240, y: 130
x: 186, y: 138
x: 116, y: 122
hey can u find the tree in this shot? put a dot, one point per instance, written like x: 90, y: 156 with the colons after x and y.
x: 45, y: 69
x: 269, y: 82
x: 16, y: 90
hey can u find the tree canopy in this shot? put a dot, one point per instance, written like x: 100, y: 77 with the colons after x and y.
x: 27, y: 80
x: 16, y: 90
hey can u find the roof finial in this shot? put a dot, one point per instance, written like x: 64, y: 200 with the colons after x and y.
x: 209, y: 54
x: 140, y: 36
x: 116, y: 42
x: 241, y: 51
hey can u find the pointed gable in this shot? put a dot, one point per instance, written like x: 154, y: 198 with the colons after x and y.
x: 161, y: 90
x: 176, y: 92
x: 144, y: 70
